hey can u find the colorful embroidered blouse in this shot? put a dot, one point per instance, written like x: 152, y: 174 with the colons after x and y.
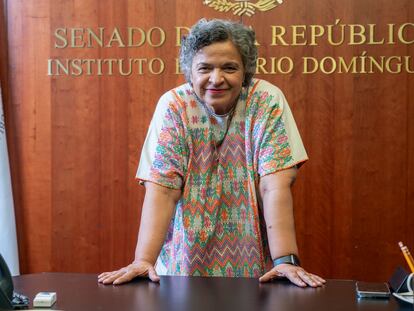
x: 218, y: 228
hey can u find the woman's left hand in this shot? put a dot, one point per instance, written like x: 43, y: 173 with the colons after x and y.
x: 295, y: 274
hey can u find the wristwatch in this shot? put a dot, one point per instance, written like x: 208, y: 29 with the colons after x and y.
x: 290, y: 259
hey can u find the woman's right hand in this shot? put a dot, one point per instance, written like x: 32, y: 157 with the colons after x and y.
x: 126, y: 274
x: 157, y: 212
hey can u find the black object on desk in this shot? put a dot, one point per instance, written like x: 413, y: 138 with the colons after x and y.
x: 8, y: 298
x: 398, y: 281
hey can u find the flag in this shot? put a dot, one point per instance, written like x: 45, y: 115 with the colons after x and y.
x: 8, y: 237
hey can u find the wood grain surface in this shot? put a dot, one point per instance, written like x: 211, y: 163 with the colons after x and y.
x: 75, y: 141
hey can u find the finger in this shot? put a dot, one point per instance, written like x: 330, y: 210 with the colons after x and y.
x: 268, y: 276
x: 103, y: 275
x: 318, y: 278
x: 128, y: 276
x: 309, y: 278
x: 107, y: 274
x: 108, y: 280
x: 152, y: 274
x: 295, y: 279
x: 113, y: 276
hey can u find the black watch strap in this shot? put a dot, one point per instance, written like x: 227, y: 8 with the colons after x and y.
x: 291, y: 259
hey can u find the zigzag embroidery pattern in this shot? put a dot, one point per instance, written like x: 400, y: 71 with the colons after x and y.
x: 216, y: 229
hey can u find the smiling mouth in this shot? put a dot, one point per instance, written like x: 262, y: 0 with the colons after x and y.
x: 216, y: 91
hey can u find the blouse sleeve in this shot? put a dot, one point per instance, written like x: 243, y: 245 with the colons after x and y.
x: 163, y: 154
x: 281, y: 146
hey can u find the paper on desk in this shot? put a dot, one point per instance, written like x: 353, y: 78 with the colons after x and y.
x: 407, y: 297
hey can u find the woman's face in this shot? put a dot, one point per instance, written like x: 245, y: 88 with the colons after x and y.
x: 217, y: 75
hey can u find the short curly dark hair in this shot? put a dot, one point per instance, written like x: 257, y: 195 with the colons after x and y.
x: 206, y: 32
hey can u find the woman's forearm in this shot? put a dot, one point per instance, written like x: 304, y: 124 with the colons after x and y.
x: 157, y: 211
x: 278, y: 212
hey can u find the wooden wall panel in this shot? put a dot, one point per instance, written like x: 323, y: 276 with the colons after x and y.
x: 75, y: 141
x: 28, y: 111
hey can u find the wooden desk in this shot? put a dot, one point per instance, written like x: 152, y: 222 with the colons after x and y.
x: 77, y: 292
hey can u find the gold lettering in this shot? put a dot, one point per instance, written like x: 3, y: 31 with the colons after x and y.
x: 179, y: 35
x: 110, y: 62
x: 160, y: 65
x: 331, y: 35
x: 116, y: 37
x: 140, y: 62
x: 161, y: 36
x: 331, y: 63
x: 391, y: 34
x: 92, y: 36
x: 363, y: 58
x: 121, y: 67
x: 49, y: 67
x: 389, y: 64
x: 76, y: 67
x: 407, y: 60
x: 277, y: 35
x: 177, y: 66
x: 99, y: 66
x: 317, y: 31
x: 357, y: 31
x: 261, y: 62
x: 373, y: 63
x: 273, y: 67
x: 60, y: 34
x: 131, y: 32
x: 314, y: 63
x: 89, y: 62
x: 60, y: 65
x: 75, y: 36
x: 371, y: 40
x: 342, y: 64
x: 283, y: 65
x: 401, y: 33
x: 299, y: 32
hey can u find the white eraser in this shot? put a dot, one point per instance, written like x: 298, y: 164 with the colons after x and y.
x: 44, y: 299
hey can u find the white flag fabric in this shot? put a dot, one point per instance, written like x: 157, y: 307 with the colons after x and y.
x: 8, y: 237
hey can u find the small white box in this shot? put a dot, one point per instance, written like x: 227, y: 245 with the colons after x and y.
x: 44, y: 299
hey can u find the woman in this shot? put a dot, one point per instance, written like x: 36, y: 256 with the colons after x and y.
x: 218, y: 164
